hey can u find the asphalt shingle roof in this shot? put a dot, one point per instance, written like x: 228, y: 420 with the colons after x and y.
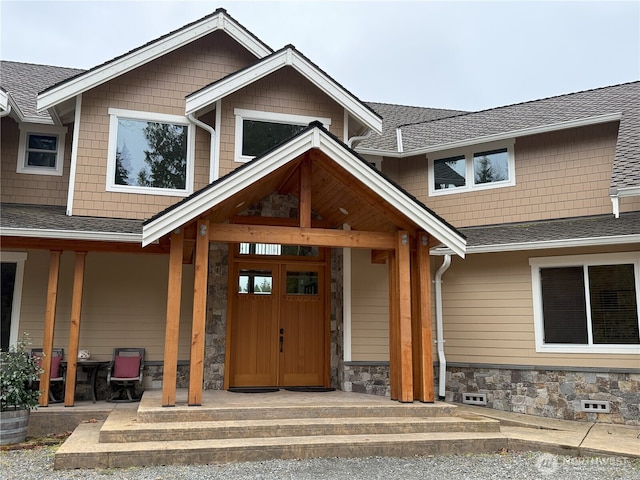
x: 46, y: 217
x: 395, y: 115
x: 593, y: 227
x: 23, y: 81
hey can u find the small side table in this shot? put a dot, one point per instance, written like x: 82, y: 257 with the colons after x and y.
x: 91, y: 368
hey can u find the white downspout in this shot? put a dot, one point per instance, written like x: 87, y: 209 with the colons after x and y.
x: 361, y: 137
x: 213, y: 167
x: 442, y: 376
x: 75, y: 141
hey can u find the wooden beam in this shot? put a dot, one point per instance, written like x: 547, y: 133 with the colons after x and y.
x: 81, y: 245
x: 304, y: 198
x: 172, y: 327
x: 422, y: 318
x: 230, y: 233
x: 49, y: 324
x: 196, y: 366
x: 403, y: 262
x: 74, y: 329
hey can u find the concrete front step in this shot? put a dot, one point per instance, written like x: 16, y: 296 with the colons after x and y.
x: 156, y: 414
x: 83, y: 449
x: 122, y: 426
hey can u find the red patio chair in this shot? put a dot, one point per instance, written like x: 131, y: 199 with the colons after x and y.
x: 125, y: 371
x: 57, y: 374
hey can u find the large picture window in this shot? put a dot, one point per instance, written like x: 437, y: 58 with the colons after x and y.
x: 587, y: 303
x: 479, y: 167
x: 149, y: 153
x: 41, y: 149
x: 258, y: 132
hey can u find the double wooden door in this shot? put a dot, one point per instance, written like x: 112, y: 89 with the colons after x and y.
x: 279, y: 330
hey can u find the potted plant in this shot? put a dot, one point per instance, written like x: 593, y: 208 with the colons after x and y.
x: 19, y: 372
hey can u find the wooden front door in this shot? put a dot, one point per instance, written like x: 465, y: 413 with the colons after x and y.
x: 278, y: 326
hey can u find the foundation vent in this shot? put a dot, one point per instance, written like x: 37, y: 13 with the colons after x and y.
x: 597, y: 406
x: 474, y: 398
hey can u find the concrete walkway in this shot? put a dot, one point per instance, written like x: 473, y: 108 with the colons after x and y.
x: 563, y: 437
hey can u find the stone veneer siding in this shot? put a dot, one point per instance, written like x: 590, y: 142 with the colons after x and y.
x: 553, y: 392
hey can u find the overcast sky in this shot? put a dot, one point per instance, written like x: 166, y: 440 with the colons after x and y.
x: 454, y: 54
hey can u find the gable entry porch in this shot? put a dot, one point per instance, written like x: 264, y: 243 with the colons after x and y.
x: 280, y: 335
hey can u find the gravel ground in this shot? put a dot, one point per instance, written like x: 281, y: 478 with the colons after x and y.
x: 37, y: 464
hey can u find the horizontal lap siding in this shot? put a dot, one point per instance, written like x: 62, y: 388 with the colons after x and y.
x: 369, y: 308
x: 488, y: 314
x: 124, y: 303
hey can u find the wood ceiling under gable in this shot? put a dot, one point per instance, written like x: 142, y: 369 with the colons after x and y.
x: 333, y: 190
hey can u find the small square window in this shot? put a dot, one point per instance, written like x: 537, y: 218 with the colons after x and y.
x: 41, y: 149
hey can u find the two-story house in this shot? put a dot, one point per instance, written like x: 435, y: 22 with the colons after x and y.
x: 250, y: 222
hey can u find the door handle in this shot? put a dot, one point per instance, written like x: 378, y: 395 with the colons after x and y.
x: 281, y: 343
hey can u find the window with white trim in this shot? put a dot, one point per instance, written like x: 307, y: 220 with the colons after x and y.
x: 150, y: 153
x: 587, y: 303
x: 472, y: 168
x: 41, y: 149
x: 258, y: 132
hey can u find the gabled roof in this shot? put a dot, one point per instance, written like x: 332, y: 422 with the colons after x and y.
x: 286, y: 57
x: 219, y: 20
x: 23, y: 81
x: 339, y: 157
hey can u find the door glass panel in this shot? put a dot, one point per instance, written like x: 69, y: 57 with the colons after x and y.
x: 259, y: 282
x: 302, y: 283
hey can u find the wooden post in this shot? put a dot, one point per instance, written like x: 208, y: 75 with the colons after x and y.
x: 304, y: 202
x: 403, y: 265
x: 49, y: 324
x: 74, y: 329
x: 196, y: 364
x: 172, y: 329
x: 393, y: 327
x: 424, y: 340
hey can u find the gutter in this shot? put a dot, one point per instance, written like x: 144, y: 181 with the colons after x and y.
x: 213, y: 164
x: 442, y: 380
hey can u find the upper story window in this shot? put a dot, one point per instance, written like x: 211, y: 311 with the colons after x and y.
x: 587, y: 303
x: 472, y: 168
x: 149, y: 153
x: 257, y: 132
x: 41, y: 149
